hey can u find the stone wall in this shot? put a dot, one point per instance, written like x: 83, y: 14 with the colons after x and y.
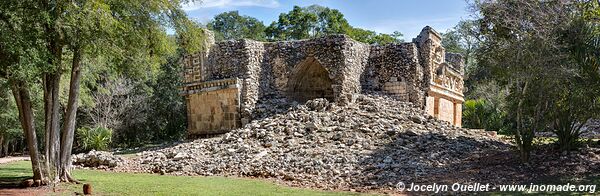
x: 334, y: 67
x: 395, y: 69
x: 213, y: 107
x: 338, y: 57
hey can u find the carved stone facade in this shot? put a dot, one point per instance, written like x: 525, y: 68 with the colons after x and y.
x: 443, y: 77
x: 224, y: 83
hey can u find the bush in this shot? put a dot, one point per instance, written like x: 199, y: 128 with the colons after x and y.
x: 98, y: 138
x: 480, y: 114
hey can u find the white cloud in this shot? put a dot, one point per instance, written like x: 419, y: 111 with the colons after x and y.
x: 229, y: 3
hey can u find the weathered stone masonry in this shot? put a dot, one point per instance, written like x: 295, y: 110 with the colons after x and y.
x: 224, y: 82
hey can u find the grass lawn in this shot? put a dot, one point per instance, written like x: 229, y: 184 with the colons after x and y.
x: 110, y: 183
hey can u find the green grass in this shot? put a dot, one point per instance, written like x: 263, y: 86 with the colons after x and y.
x: 110, y: 183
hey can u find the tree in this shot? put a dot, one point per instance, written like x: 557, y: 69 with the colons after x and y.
x: 230, y: 25
x: 583, y: 87
x: 316, y: 21
x: 329, y: 21
x: 295, y: 25
x: 10, y: 129
x: 516, y: 53
x: 157, y: 112
x: 372, y: 37
x: 131, y: 33
x: 22, y: 53
x: 463, y: 39
x: 526, y: 48
x: 308, y: 22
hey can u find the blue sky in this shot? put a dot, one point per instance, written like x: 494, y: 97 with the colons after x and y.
x: 383, y: 16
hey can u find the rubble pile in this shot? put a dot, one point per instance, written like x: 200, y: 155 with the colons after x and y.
x: 372, y: 142
x: 591, y: 129
x: 97, y: 159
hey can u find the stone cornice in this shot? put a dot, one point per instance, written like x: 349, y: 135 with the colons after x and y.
x: 452, y: 95
x: 212, y: 85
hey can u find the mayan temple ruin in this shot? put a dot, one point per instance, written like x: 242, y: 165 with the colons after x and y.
x: 224, y: 82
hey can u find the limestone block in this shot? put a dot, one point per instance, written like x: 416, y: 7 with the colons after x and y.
x: 429, y: 105
x: 213, y: 111
x: 458, y: 115
x: 446, y: 110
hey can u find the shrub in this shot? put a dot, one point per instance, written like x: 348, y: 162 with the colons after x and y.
x: 480, y: 114
x: 98, y: 138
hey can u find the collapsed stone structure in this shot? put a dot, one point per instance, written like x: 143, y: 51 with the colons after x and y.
x: 224, y: 83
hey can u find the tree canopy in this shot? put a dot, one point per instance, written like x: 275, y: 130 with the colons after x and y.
x: 231, y: 25
x: 299, y: 23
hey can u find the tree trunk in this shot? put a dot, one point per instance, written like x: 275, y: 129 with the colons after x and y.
x: 1, y: 146
x: 47, y: 120
x: 52, y: 130
x: 51, y: 93
x: 6, y: 147
x: 524, y: 152
x: 23, y: 100
x: 68, y: 130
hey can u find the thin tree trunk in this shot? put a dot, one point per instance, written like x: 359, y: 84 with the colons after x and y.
x: 23, y: 100
x: 1, y: 146
x: 524, y: 153
x: 68, y: 130
x: 48, y: 150
x: 47, y: 119
x: 6, y: 147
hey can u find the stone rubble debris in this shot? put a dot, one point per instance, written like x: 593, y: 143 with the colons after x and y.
x: 97, y: 159
x: 373, y: 142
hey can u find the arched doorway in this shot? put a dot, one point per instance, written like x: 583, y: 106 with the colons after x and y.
x: 309, y: 80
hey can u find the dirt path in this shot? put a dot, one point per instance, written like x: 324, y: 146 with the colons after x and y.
x: 4, y: 160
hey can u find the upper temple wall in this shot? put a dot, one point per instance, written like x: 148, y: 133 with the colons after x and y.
x: 395, y: 69
x: 266, y: 68
x: 346, y: 66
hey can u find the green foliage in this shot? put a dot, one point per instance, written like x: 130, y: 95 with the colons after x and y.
x: 21, y: 50
x: 545, y: 53
x: 315, y: 21
x: 230, y: 25
x: 10, y: 125
x: 480, y: 114
x: 297, y: 24
x: 9, y: 116
x: 464, y: 39
x: 590, y: 10
x: 473, y: 114
x: 372, y: 37
x: 159, y: 115
x: 486, y: 107
x: 168, y: 112
x: 582, y: 88
x: 97, y: 138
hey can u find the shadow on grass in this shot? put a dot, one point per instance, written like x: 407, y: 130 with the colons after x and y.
x: 12, y: 177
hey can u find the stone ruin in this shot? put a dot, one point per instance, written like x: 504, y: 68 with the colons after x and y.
x: 224, y: 82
